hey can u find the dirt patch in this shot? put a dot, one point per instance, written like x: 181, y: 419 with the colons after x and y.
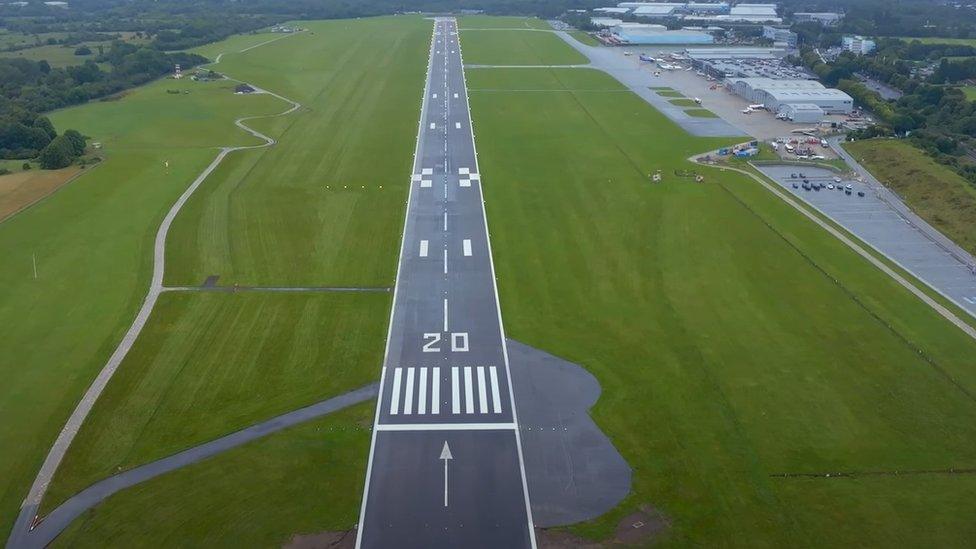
x: 323, y: 540
x: 641, y: 528
x: 21, y: 189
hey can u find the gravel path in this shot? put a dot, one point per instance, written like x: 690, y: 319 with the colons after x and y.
x: 81, y: 411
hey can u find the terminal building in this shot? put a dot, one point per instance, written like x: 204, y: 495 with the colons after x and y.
x: 775, y: 94
x: 643, y: 34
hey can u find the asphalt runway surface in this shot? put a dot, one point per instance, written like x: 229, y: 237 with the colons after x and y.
x: 908, y: 242
x: 445, y: 466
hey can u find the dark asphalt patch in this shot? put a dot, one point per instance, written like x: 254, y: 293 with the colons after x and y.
x: 573, y: 471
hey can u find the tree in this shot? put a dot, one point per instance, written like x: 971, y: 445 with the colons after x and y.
x: 42, y: 122
x: 83, y: 50
x: 77, y: 141
x: 26, y: 166
x: 58, y: 154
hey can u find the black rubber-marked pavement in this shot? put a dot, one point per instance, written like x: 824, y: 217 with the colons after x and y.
x: 445, y: 467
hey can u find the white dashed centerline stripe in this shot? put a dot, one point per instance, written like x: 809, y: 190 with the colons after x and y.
x: 395, y: 396
x: 423, y: 248
x: 445, y: 315
x: 445, y: 260
x: 445, y: 221
x: 466, y: 244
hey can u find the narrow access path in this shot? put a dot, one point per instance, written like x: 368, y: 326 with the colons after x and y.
x: 233, y: 289
x: 44, y: 533
x: 54, y: 457
x: 935, y: 305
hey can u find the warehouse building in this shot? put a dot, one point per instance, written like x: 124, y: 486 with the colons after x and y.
x: 825, y: 18
x: 641, y: 34
x: 655, y: 10
x: 802, y: 113
x: 605, y: 22
x: 781, y: 37
x: 775, y: 94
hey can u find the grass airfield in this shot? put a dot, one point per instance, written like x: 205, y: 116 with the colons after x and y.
x: 734, y: 339
x: 93, y: 240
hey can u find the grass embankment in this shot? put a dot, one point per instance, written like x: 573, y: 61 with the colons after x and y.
x: 584, y: 38
x: 733, y: 338
x: 93, y: 241
x: 304, y: 480
x: 935, y: 192
x: 515, y: 47
x: 667, y: 92
x: 209, y: 364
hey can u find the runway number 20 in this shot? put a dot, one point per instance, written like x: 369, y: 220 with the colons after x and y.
x: 459, y: 342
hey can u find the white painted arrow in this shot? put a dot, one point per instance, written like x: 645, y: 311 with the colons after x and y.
x: 446, y: 456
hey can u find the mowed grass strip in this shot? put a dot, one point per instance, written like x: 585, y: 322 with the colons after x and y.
x: 683, y: 102
x: 212, y: 363
x: 93, y: 242
x: 733, y: 339
x: 701, y: 113
x: 514, y: 47
x: 324, y: 207
x: 495, y: 22
x: 933, y: 191
x: 304, y: 480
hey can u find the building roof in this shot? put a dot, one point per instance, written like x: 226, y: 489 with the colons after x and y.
x: 749, y: 10
x: 808, y: 95
x: 613, y: 10
x: 780, y: 84
x: 654, y: 10
x: 605, y: 21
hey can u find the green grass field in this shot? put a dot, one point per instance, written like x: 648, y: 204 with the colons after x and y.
x: 209, y: 364
x: 92, y: 241
x: 937, y: 40
x: 701, y: 113
x: 734, y: 340
x: 305, y: 211
x: 56, y: 56
x: 358, y: 82
x: 933, y: 191
x: 668, y: 92
x: 584, y: 38
x: 969, y: 92
x: 494, y: 22
x: 515, y: 47
x: 683, y: 102
x: 304, y: 480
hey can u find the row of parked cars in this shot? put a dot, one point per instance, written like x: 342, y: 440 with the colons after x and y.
x: 807, y: 185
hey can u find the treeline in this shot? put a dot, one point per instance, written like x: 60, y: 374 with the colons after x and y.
x: 938, y: 118
x: 919, y: 18
x: 28, y: 88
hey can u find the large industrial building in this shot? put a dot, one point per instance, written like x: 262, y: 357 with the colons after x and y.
x: 775, y: 94
x: 699, y: 11
x: 643, y: 34
x: 826, y: 18
x: 857, y: 44
x: 781, y: 37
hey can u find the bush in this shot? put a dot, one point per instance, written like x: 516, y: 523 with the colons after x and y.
x: 26, y: 166
x: 58, y: 154
x: 4, y: 171
x: 83, y: 50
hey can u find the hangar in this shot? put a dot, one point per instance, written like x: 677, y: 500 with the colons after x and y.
x: 774, y: 93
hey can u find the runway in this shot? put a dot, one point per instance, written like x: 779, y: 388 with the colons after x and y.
x: 445, y: 465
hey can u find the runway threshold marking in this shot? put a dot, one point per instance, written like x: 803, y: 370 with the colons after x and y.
x: 500, y: 426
